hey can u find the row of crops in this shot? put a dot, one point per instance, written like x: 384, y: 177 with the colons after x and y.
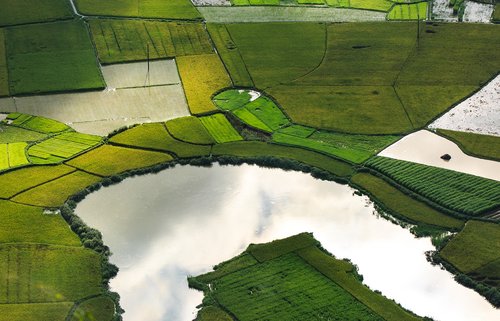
x: 459, y: 192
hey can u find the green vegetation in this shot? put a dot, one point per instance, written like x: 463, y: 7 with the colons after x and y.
x: 34, y: 312
x: 260, y: 149
x: 14, y: 182
x: 56, y: 192
x: 220, y: 128
x: 474, y: 144
x: 189, y: 130
x: 408, y: 11
x: 13, y: 155
x: 32, y: 273
x: 30, y: 11
x: 496, y: 14
x: 62, y: 147
x: 259, y: 112
x: 156, y: 137
x: 51, y: 57
x: 403, y: 205
x: 212, y: 313
x: 476, y: 246
x: 202, y: 76
x: 358, y: 83
x: 468, y: 194
x: 171, y: 9
x: 111, y: 160
x: 377, y: 5
x: 37, y: 123
x: 120, y: 40
x: 27, y: 224
x: 100, y: 308
x: 12, y: 134
x: 230, y: 55
x: 4, y: 72
x: 314, y: 285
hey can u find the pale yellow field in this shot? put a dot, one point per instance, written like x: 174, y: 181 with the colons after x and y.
x: 202, y: 76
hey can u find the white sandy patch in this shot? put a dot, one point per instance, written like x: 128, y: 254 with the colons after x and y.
x: 426, y: 148
x: 3, y: 116
x: 161, y: 72
x: 101, y: 112
x: 254, y: 94
x: 211, y: 2
x: 479, y: 113
x: 442, y: 11
x: 478, y: 12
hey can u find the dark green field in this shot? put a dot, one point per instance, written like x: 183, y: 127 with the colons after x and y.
x: 16, y: 12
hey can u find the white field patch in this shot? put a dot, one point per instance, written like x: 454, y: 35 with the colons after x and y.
x: 442, y: 11
x: 478, y: 12
x: 99, y: 113
x: 161, y: 72
x: 283, y: 13
x: 479, y: 114
x: 426, y: 148
x: 211, y: 2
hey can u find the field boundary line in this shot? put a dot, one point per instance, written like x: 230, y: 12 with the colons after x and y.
x: 180, y: 140
x: 403, y: 107
x: 149, y: 149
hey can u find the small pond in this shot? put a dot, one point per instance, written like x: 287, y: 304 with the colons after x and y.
x: 182, y: 221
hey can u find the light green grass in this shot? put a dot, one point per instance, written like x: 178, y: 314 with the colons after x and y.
x: 477, y: 245
x: 297, y: 130
x: 61, y: 147
x: 17, y: 154
x: 202, y: 76
x: 474, y: 144
x: 120, y: 40
x: 230, y: 55
x: 232, y: 99
x: 37, y: 123
x: 266, y: 110
x: 403, y: 204
x: 111, y: 160
x: 4, y: 72
x: 21, y: 179
x: 250, y: 119
x: 32, y: 273
x: 27, y: 224
x: 12, y: 134
x: 56, y: 192
x: 259, y: 149
x: 412, y: 11
x: 101, y: 308
x: 171, y: 9
x: 190, y: 130
x: 51, y: 57
x: 377, y: 5
x: 4, y: 156
x: 220, y: 128
x: 30, y: 11
x: 460, y: 192
x: 155, y: 136
x: 35, y: 312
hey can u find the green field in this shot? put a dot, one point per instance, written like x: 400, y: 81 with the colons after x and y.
x: 19, y: 180
x: 189, y: 130
x: 496, y: 13
x: 220, y: 128
x: 171, y: 9
x: 51, y: 57
x: 55, y: 193
x: 12, y: 134
x: 474, y: 144
x: 27, y: 224
x: 294, y: 280
x: 202, y: 76
x: 156, y: 137
x: 4, y: 72
x: 402, y: 204
x: 111, y: 160
x: 13, y: 155
x: 37, y: 123
x: 358, y: 83
x: 475, y: 247
x: 32, y: 273
x: 464, y: 193
x: 61, y: 147
x: 30, y: 11
x: 35, y: 312
x: 100, y: 308
x: 411, y: 11
x: 120, y: 40
x: 260, y: 149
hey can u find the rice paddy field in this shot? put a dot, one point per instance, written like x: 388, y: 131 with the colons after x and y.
x: 291, y: 89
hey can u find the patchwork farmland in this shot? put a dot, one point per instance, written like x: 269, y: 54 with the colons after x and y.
x: 105, y: 90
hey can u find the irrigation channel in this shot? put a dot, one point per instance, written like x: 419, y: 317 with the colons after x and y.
x: 182, y: 221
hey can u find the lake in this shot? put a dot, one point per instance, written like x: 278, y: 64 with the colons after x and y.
x: 182, y: 221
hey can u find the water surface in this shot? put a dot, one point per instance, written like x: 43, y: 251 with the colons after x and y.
x: 183, y: 221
